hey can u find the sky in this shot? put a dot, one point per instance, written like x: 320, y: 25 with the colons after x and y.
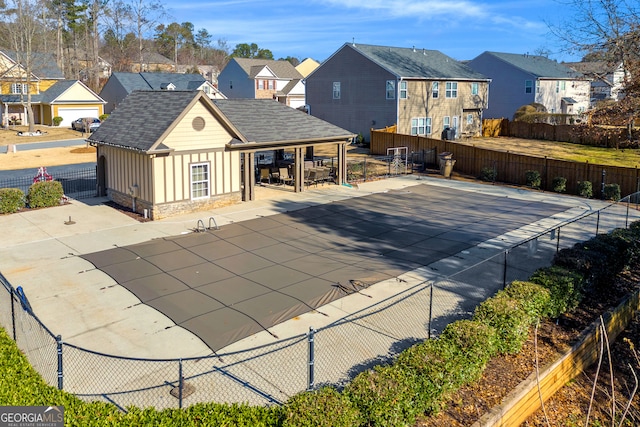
x: 461, y: 29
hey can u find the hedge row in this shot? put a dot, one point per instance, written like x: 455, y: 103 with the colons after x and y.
x: 41, y: 194
x: 417, y: 383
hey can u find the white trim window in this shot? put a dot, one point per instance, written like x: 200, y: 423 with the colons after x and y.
x: 528, y: 86
x: 260, y: 84
x: 18, y: 88
x: 435, y: 90
x: 421, y: 126
x: 446, y: 122
x: 391, y: 89
x: 474, y: 88
x: 199, y: 181
x: 272, y: 84
x: 403, y: 89
x: 336, y: 90
x: 451, y: 90
x: 469, y: 119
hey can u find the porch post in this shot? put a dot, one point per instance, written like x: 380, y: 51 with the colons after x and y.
x: 249, y: 177
x: 341, y: 167
x: 298, y: 170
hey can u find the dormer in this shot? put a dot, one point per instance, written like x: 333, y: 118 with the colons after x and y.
x: 168, y: 86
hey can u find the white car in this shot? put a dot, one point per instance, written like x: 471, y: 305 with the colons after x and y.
x: 82, y: 123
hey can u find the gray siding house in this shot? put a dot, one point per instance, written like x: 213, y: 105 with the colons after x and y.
x: 262, y: 79
x: 423, y: 92
x: 120, y: 85
x: 518, y: 80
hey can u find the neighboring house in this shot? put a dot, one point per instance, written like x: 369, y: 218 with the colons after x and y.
x: 262, y: 79
x: 307, y: 66
x: 209, y: 72
x: 606, y: 80
x: 361, y: 87
x: 190, y: 152
x: 153, y: 62
x: 518, y: 80
x: 51, y: 95
x: 120, y: 85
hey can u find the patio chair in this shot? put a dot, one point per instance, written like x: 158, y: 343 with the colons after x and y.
x: 265, y: 174
x: 311, y: 177
x: 284, y: 177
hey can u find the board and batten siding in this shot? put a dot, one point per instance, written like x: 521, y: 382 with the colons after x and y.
x: 172, y: 177
x: 126, y: 168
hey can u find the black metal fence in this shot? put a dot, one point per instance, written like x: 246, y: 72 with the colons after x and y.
x: 422, y: 303
x: 77, y: 184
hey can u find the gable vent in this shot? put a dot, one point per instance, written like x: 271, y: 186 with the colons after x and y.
x: 198, y: 123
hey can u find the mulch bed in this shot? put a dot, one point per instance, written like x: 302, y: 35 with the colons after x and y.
x: 504, y: 373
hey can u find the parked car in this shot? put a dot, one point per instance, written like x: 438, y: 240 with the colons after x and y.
x: 81, y: 124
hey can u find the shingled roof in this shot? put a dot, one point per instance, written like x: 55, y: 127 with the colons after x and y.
x: 417, y: 63
x: 158, y: 81
x: 282, y: 69
x: 142, y: 119
x: 539, y: 66
x: 133, y: 125
x: 44, y: 65
x: 266, y: 120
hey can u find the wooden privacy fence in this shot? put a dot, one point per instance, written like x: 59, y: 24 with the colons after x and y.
x: 525, y: 399
x: 565, y: 133
x: 511, y: 168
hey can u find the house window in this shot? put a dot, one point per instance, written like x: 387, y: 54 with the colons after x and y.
x: 469, y: 119
x: 260, y: 84
x: 199, y: 180
x: 391, y: 89
x: 403, y: 90
x: 446, y: 122
x: 563, y: 85
x: 336, y: 90
x: 17, y: 88
x: 528, y: 86
x: 434, y: 89
x: 272, y: 84
x: 230, y: 84
x: 474, y: 88
x: 537, y: 87
x: 421, y: 126
x: 451, y: 90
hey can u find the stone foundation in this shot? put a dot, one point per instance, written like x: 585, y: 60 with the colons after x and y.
x: 172, y: 209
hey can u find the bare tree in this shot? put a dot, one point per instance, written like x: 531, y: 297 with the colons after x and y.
x: 147, y: 14
x: 25, y: 33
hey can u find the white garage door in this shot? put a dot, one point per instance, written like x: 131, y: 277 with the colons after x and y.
x: 70, y: 114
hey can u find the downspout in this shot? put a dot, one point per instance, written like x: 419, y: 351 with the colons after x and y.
x: 398, y: 105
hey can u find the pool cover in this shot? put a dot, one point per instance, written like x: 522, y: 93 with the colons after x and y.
x: 227, y: 284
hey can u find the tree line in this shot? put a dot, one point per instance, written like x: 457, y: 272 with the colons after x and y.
x: 122, y: 32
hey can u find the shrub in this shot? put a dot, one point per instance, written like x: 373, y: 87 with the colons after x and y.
x: 324, y: 407
x: 11, y: 200
x: 534, y: 299
x: 385, y: 396
x: 45, y: 194
x: 559, y: 184
x: 476, y: 342
x: 533, y: 178
x: 488, y: 174
x: 585, y: 189
x: 612, y: 192
x: 57, y: 120
x: 436, y: 366
x: 510, y: 321
x: 565, y: 287
x: 103, y: 117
